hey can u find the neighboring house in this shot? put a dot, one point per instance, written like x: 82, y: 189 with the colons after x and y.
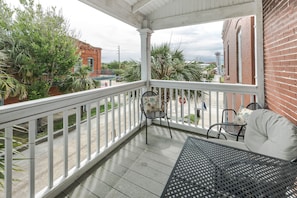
x: 239, y: 54
x: 239, y: 50
x: 90, y: 56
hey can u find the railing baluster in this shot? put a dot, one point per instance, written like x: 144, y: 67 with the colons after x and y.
x: 65, y: 136
x: 138, y: 106
x: 189, y: 107
x: 89, y: 133
x: 8, y: 161
x: 78, y: 140
x: 32, y: 135
x: 195, y: 108
x: 165, y: 100
x: 217, y: 103
x: 182, y: 111
x: 242, y: 100
x: 134, y: 108
x: 50, y: 139
x: 202, y: 112
x: 113, y: 134
x: 233, y: 100
x: 106, y: 122
x: 119, y: 116
x: 209, y: 107
x: 98, y: 126
x: 176, y: 105
x: 125, y: 113
x: 129, y: 105
x: 170, y: 104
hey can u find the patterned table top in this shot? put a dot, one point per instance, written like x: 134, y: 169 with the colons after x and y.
x: 208, y: 169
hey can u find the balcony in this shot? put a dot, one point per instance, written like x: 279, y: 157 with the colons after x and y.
x: 51, y: 167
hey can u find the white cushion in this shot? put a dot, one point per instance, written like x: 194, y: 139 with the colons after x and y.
x: 242, y: 116
x: 271, y: 134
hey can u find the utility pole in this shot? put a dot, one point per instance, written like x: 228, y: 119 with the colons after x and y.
x: 218, y: 62
x: 119, y: 56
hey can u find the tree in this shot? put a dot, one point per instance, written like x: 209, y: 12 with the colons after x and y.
x: 39, y: 45
x: 166, y: 64
x: 132, y: 72
x: 9, y: 86
x: 79, y: 81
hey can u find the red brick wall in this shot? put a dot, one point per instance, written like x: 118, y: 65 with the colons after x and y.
x: 86, y: 51
x: 230, y: 30
x: 280, y: 56
x: 232, y: 26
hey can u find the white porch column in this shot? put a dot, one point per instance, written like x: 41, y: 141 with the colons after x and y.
x: 145, y: 35
x: 259, y: 52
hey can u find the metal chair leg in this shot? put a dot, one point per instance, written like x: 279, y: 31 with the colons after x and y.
x: 169, y: 127
x: 140, y: 121
x: 146, y: 130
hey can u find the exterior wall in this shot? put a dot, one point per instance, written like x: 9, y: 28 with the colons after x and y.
x: 87, y: 51
x: 280, y: 57
x: 230, y: 30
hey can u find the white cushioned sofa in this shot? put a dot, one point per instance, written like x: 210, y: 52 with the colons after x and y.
x: 268, y: 133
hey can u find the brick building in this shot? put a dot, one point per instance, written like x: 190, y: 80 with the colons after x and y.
x: 239, y: 55
x: 280, y: 54
x: 239, y: 50
x: 90, y: 56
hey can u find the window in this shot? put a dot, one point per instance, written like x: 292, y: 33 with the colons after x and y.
x: 78, y: 65
x: 239, y: 57
x: 91, y: 63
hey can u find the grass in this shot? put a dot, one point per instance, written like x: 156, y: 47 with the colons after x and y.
x: 192, y: 118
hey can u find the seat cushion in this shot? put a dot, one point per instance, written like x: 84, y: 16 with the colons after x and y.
x: 271, y: 134
x: 151, y: 104
x: 242, y: 116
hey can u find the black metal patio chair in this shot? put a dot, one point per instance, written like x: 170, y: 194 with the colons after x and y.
x: 236, y: 127
x: 151, y: 109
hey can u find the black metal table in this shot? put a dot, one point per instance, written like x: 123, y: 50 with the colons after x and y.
x: 207, y: 169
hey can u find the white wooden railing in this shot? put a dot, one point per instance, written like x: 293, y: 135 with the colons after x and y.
x: 52, y: 167
x: 206, y: 99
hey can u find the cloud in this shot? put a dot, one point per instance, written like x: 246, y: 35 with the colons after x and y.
x: 198, y: 42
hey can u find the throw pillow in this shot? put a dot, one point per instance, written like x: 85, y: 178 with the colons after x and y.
x: 242, y: 116
x: 151, y: 104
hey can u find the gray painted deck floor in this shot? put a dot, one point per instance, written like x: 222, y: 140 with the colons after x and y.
x: 134, y: 170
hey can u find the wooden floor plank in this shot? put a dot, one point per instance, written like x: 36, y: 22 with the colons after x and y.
x: 135, y: 170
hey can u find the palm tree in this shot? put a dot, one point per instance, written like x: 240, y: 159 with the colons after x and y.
x: 79, y: 81
x: 166, y: 64
x: 9, y: 86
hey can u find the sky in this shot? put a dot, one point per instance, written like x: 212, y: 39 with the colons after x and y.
x: 199, y: 42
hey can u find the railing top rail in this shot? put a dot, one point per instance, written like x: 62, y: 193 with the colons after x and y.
x: 24, y: 110
x: 224, y: 87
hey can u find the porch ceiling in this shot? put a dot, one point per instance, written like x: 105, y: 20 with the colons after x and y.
x: 162, y: 14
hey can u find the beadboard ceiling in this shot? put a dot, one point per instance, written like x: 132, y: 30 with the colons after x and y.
x: 162, y: 14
